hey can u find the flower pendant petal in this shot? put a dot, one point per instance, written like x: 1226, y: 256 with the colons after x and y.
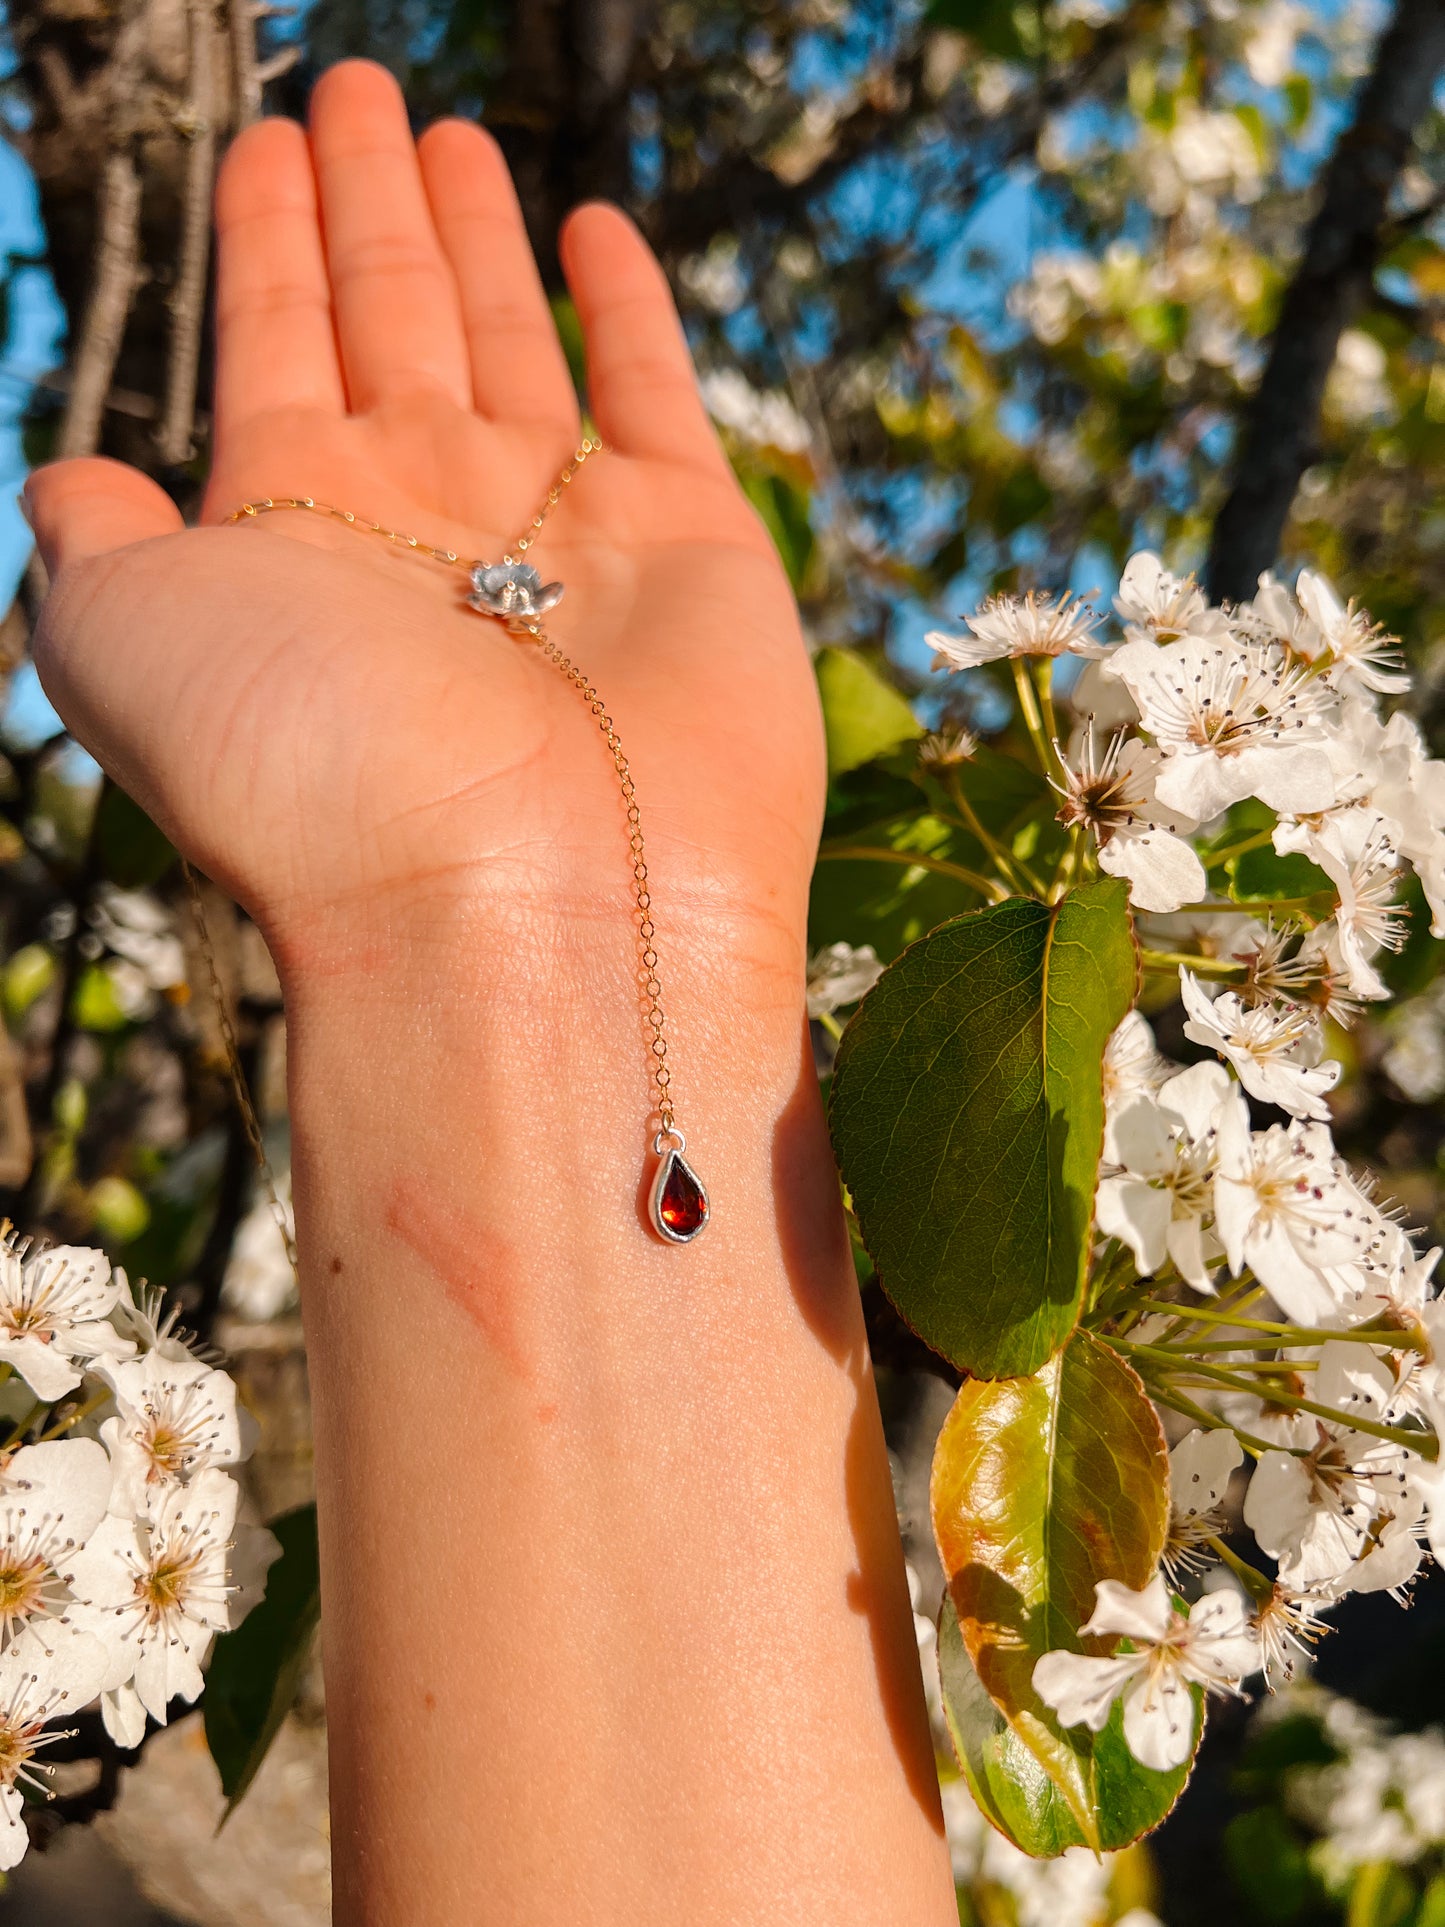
x: 512, y: 590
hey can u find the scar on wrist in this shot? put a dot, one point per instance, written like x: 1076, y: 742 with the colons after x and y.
x: 469, y: 1261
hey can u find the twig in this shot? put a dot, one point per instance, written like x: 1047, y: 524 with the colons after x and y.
x: 188, y: 300
x: 1330, y: 288
x: 117, y: 254
x: 276, y: 64
x: 243, y: 17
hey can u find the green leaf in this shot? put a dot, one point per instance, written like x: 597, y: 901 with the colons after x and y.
x: 255, y: 1671
x: 95, y: 1005
x: 879, y: 900
x: 1381, y: 1895
x: 1006, y: 795
x: 29, y: 973
x: 1042, y: 1487
x: 1009, y: 1786
x: 1007, y: 29
x: 131, y: 850
x: 1261, y: 873
x: 1432, y: 1904
x: 863, y: 715
x: 1268, y: 1861
x: 785, y: 514
x: 967, y: 1114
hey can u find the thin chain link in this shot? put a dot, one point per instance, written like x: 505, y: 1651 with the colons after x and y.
x: 654, y: 1017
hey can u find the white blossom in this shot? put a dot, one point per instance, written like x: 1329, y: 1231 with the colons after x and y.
x: 1111, y: 793
x: 1409, y: 792
x: 1357, y: 649
x: 764, y: 418
x: 1288, y: 1626
x: 1201, y: 1466
x: 1161, y: 1200
x: 55, y: 1305
x: 1233, y: 720
x: 173, y: 1418
x: 1133, y: 1067
x: 1276, y: 1049
x: 1158, y: 606
x: 52, y: 1497
x: 155, y: 1591
x: 1285, y: 1207
x: 259, y: 1282
x: 1213, y: 1647
x: 1315, y: 624
x: 48, y: 1671
x: 139, y: 928
x: 1033, y: 624
x: 142, y: 1313
x: 1311, y: 1506
x: 1352, y: 847
x: 839, y: 975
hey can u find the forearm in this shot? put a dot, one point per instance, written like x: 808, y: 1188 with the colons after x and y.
x: 615, y: 1621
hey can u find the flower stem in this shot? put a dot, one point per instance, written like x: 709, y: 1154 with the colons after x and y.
x: 23, y: 1425
x: 1012, y: 868
x: 91, y: 1404
x: 1033, y: 719
x: 1225, y: 1314
x: 1425, y: 1444
x: 1170, y: 960
x: 1068, y: 865
x: 1291, y: 1337
x: 1252, y: 907
x: 1260, y: 1589
x: 831, y: 1025
x: 910, y: 859
x: 1217, y: 859
x: 1044, y: 684
x: 1211, y: 1421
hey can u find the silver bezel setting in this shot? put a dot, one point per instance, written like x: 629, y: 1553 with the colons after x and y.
x: 666, y: 1159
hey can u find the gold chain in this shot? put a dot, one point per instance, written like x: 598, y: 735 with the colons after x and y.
x: 654, y: 1018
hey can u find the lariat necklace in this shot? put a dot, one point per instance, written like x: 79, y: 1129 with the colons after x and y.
x: 513, y: 593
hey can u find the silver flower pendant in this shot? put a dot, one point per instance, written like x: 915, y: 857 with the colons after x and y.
x: 512, y: 590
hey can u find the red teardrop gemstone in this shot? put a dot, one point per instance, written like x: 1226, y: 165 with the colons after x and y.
x: 681, y: 1202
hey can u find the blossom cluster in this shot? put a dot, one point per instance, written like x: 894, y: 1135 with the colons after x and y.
x: 1297, y: 1320
x: 1262, y: 1291
x: 1379, y: 1801
x: 121, y: 1556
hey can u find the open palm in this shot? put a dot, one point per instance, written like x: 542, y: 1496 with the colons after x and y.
x: 317, y: 717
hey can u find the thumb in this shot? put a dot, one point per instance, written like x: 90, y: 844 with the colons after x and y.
x: 89, y: 506
x: 104, y: 643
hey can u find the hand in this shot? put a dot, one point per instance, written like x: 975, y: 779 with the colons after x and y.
x: 316, y: 717
x: 669, y: 1478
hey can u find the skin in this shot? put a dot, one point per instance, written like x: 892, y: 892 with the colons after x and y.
x: 616, y: 1627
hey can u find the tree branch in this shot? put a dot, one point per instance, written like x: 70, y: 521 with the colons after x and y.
x: 1331, y: 287
x: 188, y: 298
x: 117, y: 254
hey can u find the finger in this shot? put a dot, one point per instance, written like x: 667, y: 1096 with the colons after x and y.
x: 640, y: 379
x: 398, y: 317
x: 275, y: 340
x: 91, y: 506
x: 519, y: 372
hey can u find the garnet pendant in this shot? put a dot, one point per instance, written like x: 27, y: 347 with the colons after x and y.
x: 678, y: 1203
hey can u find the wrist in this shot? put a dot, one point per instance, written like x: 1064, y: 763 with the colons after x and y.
x: 503, y: 1101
